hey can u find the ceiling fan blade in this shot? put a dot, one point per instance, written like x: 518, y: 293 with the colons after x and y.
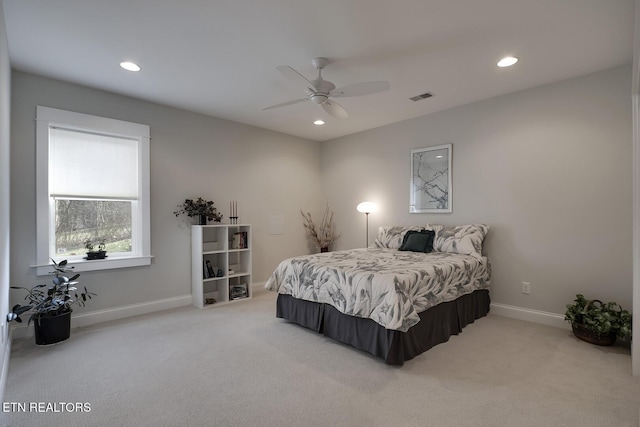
x: 295, y: 77
x: 359, y: 89
x: 285, y: 104
x: 334, y: 109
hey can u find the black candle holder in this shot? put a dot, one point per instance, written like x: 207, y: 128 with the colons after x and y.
x: 233, y: 211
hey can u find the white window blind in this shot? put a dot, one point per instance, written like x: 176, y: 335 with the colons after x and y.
x: 92, y: 176
x: 83, y: 164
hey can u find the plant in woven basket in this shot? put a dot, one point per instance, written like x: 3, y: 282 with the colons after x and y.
x: 324, y: 234
x: 600, y: 319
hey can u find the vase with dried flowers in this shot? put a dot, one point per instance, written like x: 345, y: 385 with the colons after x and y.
x: 322, y: 235
x: 203, y: 209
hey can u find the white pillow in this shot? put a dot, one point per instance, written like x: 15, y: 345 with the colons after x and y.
x: 460, y: 239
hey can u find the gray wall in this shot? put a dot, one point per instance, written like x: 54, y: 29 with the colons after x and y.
x: 548, y: 169
x: 5, y: 96
x: 191, y: 155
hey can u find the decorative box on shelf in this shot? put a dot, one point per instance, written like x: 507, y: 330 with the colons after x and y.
x: 239, y: 291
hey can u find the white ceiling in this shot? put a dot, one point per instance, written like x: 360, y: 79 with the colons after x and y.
x: 218, y: 57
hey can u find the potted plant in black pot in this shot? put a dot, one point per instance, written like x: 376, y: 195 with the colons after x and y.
x: 204, y: 210
x: 598, y: 323
x: 51, y: 306
x: 101, y: 253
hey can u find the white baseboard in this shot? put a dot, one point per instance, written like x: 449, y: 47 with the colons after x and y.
x: 99, y: 316
x: 85, y: 319
x: 91, y: 318
x: 5, y: 368
x: 257, y: 287
x: 535, y: 316
x: 512, y: 311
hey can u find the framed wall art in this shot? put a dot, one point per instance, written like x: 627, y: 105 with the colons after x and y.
x: 430, y: 187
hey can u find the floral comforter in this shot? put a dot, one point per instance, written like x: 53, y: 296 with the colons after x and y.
x: 386, y: 285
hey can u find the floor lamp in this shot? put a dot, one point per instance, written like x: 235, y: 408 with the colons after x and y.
x: 367, y: 208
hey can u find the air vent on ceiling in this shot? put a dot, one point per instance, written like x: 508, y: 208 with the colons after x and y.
x: 422, y: 96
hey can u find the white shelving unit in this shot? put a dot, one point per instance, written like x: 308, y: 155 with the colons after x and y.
x: 225, y: 251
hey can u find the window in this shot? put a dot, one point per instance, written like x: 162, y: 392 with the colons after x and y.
x: 92, y: 183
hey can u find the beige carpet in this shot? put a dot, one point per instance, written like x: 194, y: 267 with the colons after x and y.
x: 240, y: 366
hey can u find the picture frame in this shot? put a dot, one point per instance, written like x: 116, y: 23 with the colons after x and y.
x: 431, y: 179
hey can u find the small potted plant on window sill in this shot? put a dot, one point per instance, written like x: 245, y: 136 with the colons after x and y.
x: 51, y: 306
x: 598, y: 323
x: 101, y: 253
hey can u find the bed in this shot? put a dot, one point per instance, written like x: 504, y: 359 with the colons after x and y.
x: 411, y: 289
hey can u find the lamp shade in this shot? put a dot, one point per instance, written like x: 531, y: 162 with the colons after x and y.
x: 366, y: 207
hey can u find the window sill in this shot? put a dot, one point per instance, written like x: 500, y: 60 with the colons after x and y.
x: 80, y: 265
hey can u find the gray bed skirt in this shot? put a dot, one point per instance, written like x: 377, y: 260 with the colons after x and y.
x: 436, y: 325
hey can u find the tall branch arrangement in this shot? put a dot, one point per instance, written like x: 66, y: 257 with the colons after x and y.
x: 323, y: 234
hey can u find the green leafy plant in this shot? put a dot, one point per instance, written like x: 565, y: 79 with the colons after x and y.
x: 89, y: 245
x: 198, y: 207
x: 92, y: 254
x: 48, y: 301
x: 600, y: 318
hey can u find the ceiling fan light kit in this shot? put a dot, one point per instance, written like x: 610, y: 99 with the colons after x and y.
x: 319, y: 91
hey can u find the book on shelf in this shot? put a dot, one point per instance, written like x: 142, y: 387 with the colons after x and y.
x: 209, y: 271
x: 240, y: 240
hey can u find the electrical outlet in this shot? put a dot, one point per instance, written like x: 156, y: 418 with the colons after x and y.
x: 526, y: 288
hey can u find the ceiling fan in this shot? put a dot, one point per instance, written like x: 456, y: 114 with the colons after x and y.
x: 321, y: 91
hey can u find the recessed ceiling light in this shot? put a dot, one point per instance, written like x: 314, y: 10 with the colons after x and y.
x: 130, y: 66
x: 318, y: 122
x: 507, y: 61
